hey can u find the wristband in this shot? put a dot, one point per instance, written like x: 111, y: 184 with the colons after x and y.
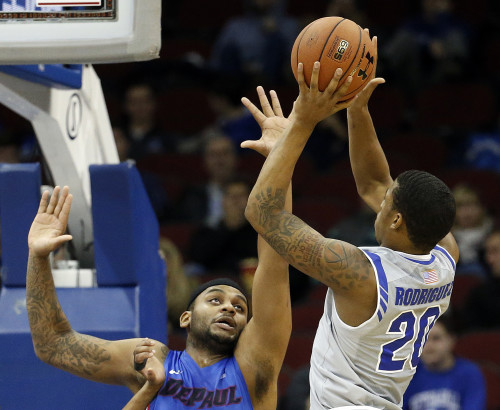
x: 139, y: 366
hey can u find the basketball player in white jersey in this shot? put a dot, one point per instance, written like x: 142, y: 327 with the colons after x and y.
x: 382, y: 301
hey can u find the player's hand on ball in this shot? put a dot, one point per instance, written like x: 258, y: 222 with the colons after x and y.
x: 361, y: 100
x: 312, y: 105
x: 271, y: 120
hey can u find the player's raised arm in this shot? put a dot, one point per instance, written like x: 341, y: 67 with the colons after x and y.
x: 339, y: 265
x: 368, y: 161
x: 54, y: 340
x: 271, y: 321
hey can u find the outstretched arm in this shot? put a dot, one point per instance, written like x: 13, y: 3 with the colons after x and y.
x: 54, y: 340
x: 271, y: 323
x: 339, y: 265
x: 368, y: 161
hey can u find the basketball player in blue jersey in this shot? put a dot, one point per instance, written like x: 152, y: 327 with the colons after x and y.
x: 381, y: 301
x: 230, y: 360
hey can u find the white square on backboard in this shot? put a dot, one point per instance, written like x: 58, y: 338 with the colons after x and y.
x: 68, y: 3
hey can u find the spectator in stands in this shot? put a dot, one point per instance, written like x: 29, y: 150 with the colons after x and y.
x: 179, y: 285
x: 482, y: 307
x: 482, y: 149
x: 429, y: 48
x: 357, y: 229
x: 152, y: 182
x: 328, y: 143
x: 472, y: 225
x: 297, y: 392
x: 220, y: 249
x: 122, y: 143
x: 140, y: 124
x: 232, y: 119
x: 258, y: 43
x: 203, y: 203
x: 443, y: 381
x: 9, y: 149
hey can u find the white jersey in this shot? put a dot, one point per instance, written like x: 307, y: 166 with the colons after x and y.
x: 373, y: 363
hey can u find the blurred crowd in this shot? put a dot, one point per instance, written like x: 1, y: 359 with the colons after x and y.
x: 181, y: 120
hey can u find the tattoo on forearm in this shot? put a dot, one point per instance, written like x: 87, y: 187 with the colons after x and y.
x: 53, y: 338
x: 333, y: 262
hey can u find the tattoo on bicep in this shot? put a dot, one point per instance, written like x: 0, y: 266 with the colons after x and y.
x: 77, y: 353
x: 334, y: 262
x: 52, y: 335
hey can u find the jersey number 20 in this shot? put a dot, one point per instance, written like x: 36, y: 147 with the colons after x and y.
x: 406, y: 326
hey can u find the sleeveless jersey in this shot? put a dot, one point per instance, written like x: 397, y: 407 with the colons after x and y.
x: 373, y: 363
x: 189, y: 386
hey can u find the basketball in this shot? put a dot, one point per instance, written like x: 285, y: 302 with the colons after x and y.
x: 335, y: 42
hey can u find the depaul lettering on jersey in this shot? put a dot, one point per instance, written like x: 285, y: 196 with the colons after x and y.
x: 416, y: 296
x: 191, y: 396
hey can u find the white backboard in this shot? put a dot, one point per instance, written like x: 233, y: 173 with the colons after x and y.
x: 114, y: 31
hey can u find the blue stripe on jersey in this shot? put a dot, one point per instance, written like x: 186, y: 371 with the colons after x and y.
x: 382, y: 281
x: 384, y: 306
x: 421, y: 262
x: 445, y: 252
x: 384, y: 295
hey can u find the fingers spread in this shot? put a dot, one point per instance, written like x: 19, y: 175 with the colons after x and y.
x: 264, y: 102
x: 53, y: 200
x: 276, y: 103
x: 343, y: 88
x: 65, y: 208
x: 60, y: 202
x: 315, y: 76
x: 256, y: 113
x: 332, y: 85
x: 43, y: 202
x: 300, y: 78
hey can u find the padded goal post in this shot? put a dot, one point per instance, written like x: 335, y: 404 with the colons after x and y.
x: 73, y: 130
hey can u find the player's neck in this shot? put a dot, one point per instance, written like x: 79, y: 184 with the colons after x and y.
x: 402, y: 244
x: 204, y: 356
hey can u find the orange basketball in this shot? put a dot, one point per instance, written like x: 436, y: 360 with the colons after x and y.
x: 335, y: 42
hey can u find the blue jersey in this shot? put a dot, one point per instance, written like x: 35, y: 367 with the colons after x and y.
x: 460, y: 388
x: 189, y: 386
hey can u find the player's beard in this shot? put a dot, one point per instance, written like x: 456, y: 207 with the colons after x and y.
x: 202, y: 337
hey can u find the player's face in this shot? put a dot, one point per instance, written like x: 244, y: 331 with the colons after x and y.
x: 219, y: 315
x: 385, y: 215
x: 438, y: 349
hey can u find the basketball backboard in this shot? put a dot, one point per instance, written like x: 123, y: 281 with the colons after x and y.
x: 79, y: 31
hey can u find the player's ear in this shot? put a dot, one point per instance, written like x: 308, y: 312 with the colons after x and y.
x: 185, y: 319
x: 397, y: 221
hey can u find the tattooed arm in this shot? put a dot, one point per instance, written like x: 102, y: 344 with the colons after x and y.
x: 337, y: 264
x: 54, y: 340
